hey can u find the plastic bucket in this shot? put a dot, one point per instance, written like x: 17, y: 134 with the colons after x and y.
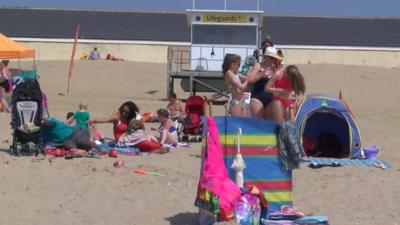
x: 371, y: 152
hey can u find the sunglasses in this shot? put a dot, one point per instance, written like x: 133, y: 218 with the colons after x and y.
x: 125, y: 112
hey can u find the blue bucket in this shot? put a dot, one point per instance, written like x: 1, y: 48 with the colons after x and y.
x: 371, y: 152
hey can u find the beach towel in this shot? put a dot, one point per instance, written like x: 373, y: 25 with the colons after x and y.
x: 290, y: 149
x: 321, y: 162
x: 121, y: 150
x: 277, y: 222
x: 214, y: 177
x: 131, y: 138
x: 311, y: 220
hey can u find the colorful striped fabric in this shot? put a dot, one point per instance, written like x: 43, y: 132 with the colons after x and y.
x: 258, y: 146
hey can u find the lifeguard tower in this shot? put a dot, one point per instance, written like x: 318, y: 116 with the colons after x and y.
x: 214, y: 33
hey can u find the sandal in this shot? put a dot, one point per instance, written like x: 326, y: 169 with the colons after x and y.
x: 72, y: 156
x: 93, y: 153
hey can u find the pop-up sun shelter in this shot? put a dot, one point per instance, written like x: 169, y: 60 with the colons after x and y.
x: 322, y: 114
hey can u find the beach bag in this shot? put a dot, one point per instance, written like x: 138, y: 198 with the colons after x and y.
x: 248, y: 210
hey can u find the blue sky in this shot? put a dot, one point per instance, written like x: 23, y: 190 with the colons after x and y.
x: 381, y: 8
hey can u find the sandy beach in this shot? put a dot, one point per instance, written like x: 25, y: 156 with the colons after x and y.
x: 92, y: 191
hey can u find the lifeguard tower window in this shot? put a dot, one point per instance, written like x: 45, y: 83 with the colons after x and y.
x: 224, y: 34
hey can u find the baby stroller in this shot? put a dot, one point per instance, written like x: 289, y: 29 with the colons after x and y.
x: 26, y: 115
x: 194, y: 109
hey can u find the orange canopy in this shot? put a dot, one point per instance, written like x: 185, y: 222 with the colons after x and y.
x: 10, y: 49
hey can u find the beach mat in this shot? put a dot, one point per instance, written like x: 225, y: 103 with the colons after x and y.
x: 135, y: 151
x: 346, y: 162
x: 126, y: 151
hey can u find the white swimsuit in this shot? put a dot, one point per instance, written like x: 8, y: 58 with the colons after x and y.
x: 232, y: 101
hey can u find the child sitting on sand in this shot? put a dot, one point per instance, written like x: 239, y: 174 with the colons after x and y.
x: 69, y: 118
x: 80, y: 117
x: 167, y: 129
x: 137, y: 138
x: 94, y: 133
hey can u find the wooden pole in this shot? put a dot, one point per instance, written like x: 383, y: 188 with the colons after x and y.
x: 71, y: 64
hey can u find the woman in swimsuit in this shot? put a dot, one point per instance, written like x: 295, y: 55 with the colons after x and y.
x: 259, y: 77
x: 167, y: 129
x: 5, y: 87
x: 286, y: 84
x: 120, y: 119
x: 236, y: 82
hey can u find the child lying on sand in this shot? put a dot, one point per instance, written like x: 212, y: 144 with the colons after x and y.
x: 137, y: 138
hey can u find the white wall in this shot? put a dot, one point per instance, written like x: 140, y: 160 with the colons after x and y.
x: 131, y: 52
x: 157, y: 52
x: 378, y: 58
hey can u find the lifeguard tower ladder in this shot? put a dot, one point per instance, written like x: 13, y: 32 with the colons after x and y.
x: 214, y: 33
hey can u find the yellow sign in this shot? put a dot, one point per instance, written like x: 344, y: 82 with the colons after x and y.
x: 224, y: 18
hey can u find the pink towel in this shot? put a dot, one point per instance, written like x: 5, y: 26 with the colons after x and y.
x: 213, y: 175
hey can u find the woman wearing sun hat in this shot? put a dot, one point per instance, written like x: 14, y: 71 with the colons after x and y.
x: 259, y: 77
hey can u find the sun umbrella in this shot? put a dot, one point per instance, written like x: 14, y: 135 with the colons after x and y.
x: 238, y: 163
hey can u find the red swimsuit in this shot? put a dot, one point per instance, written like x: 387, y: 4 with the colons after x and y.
x: 283, y: 83
x: 119, y: 129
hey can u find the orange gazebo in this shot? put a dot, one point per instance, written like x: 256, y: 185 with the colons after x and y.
x: 10, y: 49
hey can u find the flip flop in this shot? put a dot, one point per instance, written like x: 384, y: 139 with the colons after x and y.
x: 316, y: 165
x: 379, y: 165
x: 93, y: 153
x: 72, y: 156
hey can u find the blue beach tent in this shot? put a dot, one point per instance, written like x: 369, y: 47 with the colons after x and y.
x: 320, y: 114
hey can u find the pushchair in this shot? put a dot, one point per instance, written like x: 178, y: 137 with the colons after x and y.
x: 26, y: 116
x: 192, y: 125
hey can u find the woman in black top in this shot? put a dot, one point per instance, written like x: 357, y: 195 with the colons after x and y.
x: 259, y: 77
